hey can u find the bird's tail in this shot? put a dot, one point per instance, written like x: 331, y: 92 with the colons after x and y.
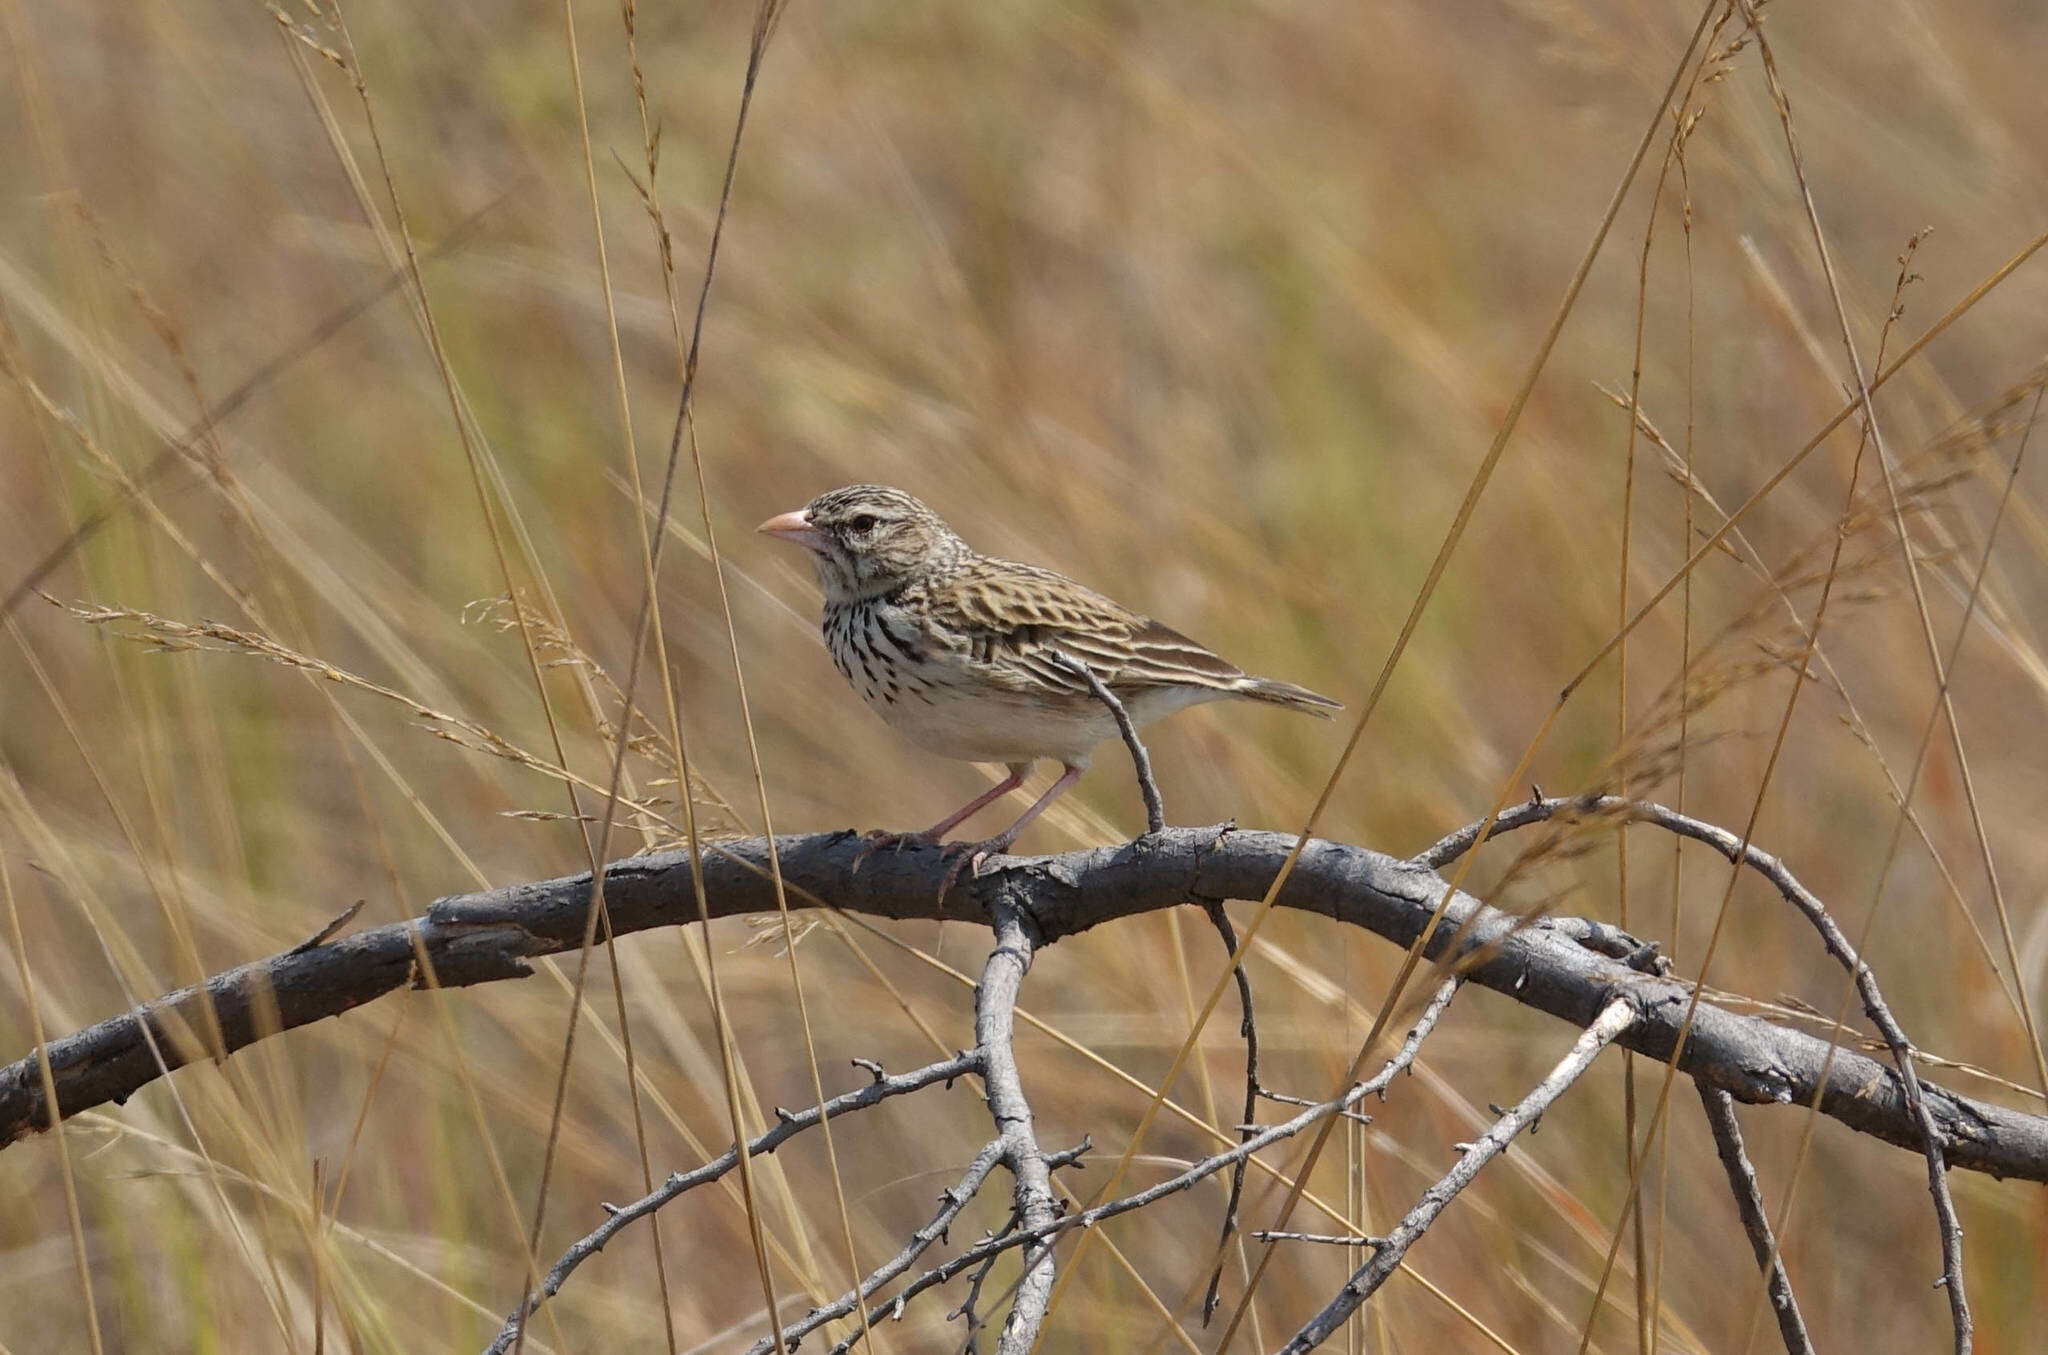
x: 1278, y: 693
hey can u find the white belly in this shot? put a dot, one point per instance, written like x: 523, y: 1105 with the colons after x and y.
x: 995, y: 726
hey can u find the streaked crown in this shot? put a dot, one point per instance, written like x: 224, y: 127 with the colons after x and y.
x: 872, y: 539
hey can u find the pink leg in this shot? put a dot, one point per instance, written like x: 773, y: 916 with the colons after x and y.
x: 980, y: 802
x: 881, y: 839
x: 965, y: 857
x: 1001, y: 841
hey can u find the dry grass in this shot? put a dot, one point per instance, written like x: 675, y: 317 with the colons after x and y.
x: 1218, y: 309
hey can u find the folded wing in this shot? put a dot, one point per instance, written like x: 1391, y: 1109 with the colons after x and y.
x: 1016, y: 620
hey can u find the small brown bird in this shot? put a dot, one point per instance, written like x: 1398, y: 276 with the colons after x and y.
x: 971, y: 657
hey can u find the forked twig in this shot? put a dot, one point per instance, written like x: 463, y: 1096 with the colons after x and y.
x: 1377, y: 1085
x: 951, y: 1201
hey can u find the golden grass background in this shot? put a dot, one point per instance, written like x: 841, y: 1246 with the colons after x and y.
x: 1213, y: 307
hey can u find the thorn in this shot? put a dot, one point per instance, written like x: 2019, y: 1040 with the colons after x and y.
x: 1645, y: 959
x: 326, y: 933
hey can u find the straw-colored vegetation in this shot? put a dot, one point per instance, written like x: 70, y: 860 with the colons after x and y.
x: 1216, y: 307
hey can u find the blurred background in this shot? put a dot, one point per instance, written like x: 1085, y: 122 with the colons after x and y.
x: 1214, y: 307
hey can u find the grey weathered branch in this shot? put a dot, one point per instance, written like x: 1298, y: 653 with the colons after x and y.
x: 1933, y: 1141
x: 1141, y: 761
x: 1550, y: 964
x: 995, y: 1019
x: 1615, y: 1018
x: 981, y: 1252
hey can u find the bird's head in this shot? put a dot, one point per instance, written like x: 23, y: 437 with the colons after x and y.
x: 868, y: 539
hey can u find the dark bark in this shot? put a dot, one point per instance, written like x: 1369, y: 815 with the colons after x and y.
x: 1562, y: 966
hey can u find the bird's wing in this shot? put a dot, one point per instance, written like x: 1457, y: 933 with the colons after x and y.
x: 1018, y: 620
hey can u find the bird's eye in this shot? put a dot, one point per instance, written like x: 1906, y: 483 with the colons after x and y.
x: 861, y: 525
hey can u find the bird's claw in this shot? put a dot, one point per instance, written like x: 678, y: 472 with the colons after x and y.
x: 880, y: 839
x: 961, y: 858
x: 965, y: 858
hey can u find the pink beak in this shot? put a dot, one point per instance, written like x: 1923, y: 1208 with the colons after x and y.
x: 794, y: 527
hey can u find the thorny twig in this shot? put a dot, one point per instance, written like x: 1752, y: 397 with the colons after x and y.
x: 951, y: 1202
x: 1612, y: 1021
x: 789, y: 1124
x: 1326, y: 1239
x: 1286, y: 1100
x: 1249, y: 1029
x: 894, y: 1309
x: 970, y: 1307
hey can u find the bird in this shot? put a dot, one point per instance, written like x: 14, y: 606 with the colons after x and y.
x: 980, y: 659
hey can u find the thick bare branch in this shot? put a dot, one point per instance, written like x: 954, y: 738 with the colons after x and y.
x: 1543, y: 964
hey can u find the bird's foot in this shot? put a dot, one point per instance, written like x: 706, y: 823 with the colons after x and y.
x: 961, y: 858
x: 881, y: 840
x: 965, y: 858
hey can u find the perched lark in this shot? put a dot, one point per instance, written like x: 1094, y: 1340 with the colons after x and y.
x: 974, y: 658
